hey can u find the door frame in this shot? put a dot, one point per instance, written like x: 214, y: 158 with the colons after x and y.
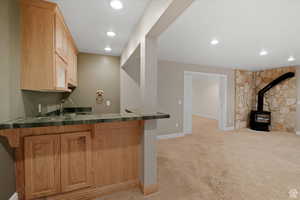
x: 188, y: 102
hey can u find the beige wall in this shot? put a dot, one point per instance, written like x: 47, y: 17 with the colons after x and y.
x: 205, y: 96
x: 98, y: 72
x: 171, y: 90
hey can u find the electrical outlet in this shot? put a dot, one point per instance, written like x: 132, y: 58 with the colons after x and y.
x: 40, y: 108
x: 108, y: 103
x: 177, y: 125
x: 179, y: 102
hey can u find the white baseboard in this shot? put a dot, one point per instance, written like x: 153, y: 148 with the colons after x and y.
x: 14, y: 196
x: 229, y: 128
x: 169, y: 136
x: 298, y: 133
x: 205, y: 116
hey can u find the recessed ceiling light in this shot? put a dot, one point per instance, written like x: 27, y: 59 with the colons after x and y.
x: 116, y: 4
x: 263, y: 52
x: 291, y: 59
x: 214, y: 42
x: 111, y: 34
x: 107, y: 49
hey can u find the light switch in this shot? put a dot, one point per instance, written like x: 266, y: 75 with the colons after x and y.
x: 179, y: 102
x: 108, y: 103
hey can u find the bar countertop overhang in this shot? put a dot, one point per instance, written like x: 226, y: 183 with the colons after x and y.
x: 77, y: 119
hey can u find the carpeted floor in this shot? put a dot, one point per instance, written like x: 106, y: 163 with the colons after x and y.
x: 215, y: 165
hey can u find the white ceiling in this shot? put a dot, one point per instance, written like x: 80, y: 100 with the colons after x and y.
x: 243, y: 27
x: 89, y: 20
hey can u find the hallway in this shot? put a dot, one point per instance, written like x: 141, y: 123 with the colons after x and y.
x: 215, y: 165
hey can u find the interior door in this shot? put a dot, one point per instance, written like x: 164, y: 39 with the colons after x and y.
x: 76, y: 161
x: 42, y: 166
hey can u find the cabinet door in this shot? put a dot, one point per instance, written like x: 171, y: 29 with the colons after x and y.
x: 75, y: 69
x: 61, y: 39
x: 76, y: 161
x: 72, y: 65
x: 37, y: 47
x: 61, y: 73
x: 42, y: 166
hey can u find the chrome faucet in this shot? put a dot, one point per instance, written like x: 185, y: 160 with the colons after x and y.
x: 61, y: 109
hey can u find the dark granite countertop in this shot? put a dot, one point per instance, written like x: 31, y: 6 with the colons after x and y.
x: 77, y: 119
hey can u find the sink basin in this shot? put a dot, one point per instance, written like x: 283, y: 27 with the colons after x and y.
x: 46, y: 118
x: 76, y: 114
x: 70, y: 114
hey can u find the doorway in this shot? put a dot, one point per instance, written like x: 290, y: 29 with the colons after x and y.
x: 189, y: 107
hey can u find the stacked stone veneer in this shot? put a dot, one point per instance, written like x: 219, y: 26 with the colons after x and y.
x: 244, y: 98
x: 280, y: 100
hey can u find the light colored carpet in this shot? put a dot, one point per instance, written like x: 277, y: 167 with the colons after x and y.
x: 215, y: 165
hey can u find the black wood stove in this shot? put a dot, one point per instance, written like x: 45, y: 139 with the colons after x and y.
x: 260, y: 120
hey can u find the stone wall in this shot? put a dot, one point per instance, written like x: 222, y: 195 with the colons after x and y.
x: 244, y: 97
x: 280, y: 100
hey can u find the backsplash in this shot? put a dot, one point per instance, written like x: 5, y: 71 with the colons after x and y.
x: 49, y: 101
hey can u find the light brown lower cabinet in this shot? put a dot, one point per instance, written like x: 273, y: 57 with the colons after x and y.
x: 116, y: 152
x: 42, y: 165
x: 57, y: 163
x: 76, y: 161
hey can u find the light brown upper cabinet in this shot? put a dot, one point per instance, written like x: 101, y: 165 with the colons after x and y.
x: 47, y: 64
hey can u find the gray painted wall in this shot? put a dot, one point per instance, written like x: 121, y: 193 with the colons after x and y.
x: 171, y: 90
x: 97, y: 72
x: 7, y: 15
